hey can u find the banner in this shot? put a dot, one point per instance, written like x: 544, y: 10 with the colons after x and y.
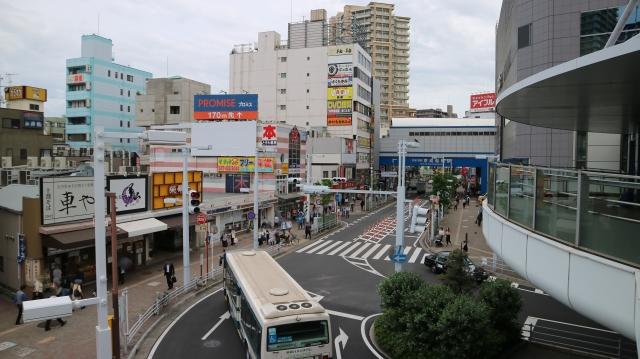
x: 244, y: 164
x: 337, y: 107
x: 66, y: 199
x: 339, y: 121
x: 131, y: 193
x: 339, y: 93
x: 482, y: 102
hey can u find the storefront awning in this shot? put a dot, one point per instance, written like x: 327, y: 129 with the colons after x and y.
x: 176, y: 221
x: 72, y: 239
x: 143, y: 226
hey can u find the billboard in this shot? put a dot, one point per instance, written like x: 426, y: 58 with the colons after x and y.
x: 482, y: 102
x: 339, y: 93
x: 225, y: 107
x: 225, y: 138
x: 339, y: 121
x: 244, y: 164
x: 66, y: 199
x: 237, y: 183
x: 169, y: 185
x: 269, y: 137
x: 339, y: 107
x: 131, y: 193
x: 25, y: 92
x: 340, y: 75
x: 339, y: 50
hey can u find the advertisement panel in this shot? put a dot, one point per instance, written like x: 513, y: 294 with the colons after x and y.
x: 340, y: 70
x: 339, y: 121
x: 237, y: 183
x: 482, y: 102
x: 244, y: 164
x: 337, y: 107
x: 34, y: 93
x: 66, y: 199
x: 339, y: 93
x: 340, y: 81
x: 225, y: 107
x: 131, y: 193
x: 75, y: 78
x: 338, y: 50
x: 169, y: 185
x: 269, y: 137
x: 225, y: 138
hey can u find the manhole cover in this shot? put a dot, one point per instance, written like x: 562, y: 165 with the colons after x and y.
x: 213, y: 343
x: 6, y: 345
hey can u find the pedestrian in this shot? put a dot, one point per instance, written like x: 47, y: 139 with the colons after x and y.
x: 169, y: 273
x: 57, y: 275
x: 455, y: 206
x: 121, y: 274
x: 352, y: 206
x: 56, y: 291
x: 223, y: 257
x: 466, y: 247
x: 233, y: 237
x: 447, y: 234
x: 362, y: 205
x: 269, y: 240
x: 19, y: 299
x: 38, y: 289
x: 307, y: 230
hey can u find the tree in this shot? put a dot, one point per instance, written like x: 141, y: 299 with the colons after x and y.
x: 457, y: 277
x: 504, y: 304
x: 399, y: 286
x: 444, y: 185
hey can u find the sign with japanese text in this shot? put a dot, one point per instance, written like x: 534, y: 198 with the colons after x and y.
x: 339, y: 50
x: 66, y: 199
x: 75, y: 78
x: 482, y: 102
x: 269, y: 136
x: 339, y: 93
x: 244, y: 164
x: 169, y: 185
x: 225, y: 107
x: 25, y: 92
x: 337, y: 107
x: 339, y: 71
x: 339, y: 121
x: 131, y: 193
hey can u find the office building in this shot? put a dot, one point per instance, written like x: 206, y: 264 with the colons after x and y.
x: 25, y: 98
x: 385, y: 37
x: 436, y: 113
x: 22, y: 137
x: 54, y: 127
x: 101, y: 92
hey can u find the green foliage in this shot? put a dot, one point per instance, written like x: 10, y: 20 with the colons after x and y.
x: 397, y: 287
x: 504, y: 304
x: 446, y: 185
x: 456, y: 276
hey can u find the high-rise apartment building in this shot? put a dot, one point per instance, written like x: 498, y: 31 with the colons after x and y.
x: 386, y: 37
x: 103, y: 93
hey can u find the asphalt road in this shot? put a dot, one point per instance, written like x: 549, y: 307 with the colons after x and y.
x: 346, y: 286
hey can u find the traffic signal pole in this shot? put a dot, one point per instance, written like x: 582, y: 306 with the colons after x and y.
x: 186, y: 266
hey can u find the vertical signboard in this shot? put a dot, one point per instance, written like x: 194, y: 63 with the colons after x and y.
x: 131, y: 193
x: 269, y: 137
x: 66, y: 199
x: 339, y: 94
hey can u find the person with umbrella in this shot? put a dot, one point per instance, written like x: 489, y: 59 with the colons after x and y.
x: 124, y: 264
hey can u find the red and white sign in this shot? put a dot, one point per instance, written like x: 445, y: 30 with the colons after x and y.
x: 482, y: 102
x: 269, y: 136
x: 201, y: 218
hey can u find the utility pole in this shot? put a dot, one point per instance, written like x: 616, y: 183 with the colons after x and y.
x: 255, y: 200
x: 115, y: 324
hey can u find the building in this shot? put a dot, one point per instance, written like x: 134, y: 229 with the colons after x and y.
x: 457, y: 145
x: 566, y: 74
x: 54, y: 127
x: 309, y: 33
x: 101, y: 92
x: 436, y: 113
x: 25, y: 98
x: 385, y: 37
x: 168, y: 101
x: 310, y: 87
x: 22, y: 137
x: 534, y: 36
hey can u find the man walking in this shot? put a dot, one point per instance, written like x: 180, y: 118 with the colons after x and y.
x: 307, y: 230
x: 56, y: 292
x: 20, y: 297
x: 169, y: 273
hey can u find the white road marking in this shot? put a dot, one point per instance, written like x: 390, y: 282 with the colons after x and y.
x: 325, y: 242
x: 340, y: 248
x: 370, y: 251
x: 416, y: 241
x: 354, y: 246
x: 223, y: 317
x: 309, y: 246
x: 326, y: 249
x: 365, y: 339
x: 340, y: 338
x: 360, y: 250
x: 415, y: 255
x: 382, y: 251
x: 345, y: 315
x: 528, y: 326
x: 406, y: 251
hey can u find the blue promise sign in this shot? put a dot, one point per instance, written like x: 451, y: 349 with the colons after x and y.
x: 225, y: 107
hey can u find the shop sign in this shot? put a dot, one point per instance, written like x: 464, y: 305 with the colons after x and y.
x: 22, y: 248
x: 339, y: 50
x: 339, y: 121
x: 269, y: 137
x: 225, y: 107
x: 66, y: 199
x: 340, y: 70
x: 131, y: 193
x: 482, y: 102
x: 218, y: 210
x: 430, y: 161
x: 339, y: 93
x: 169, y: 185
x: 202, y: 228
x: 284, y: 168
x: 31, y: 270
x: 244, y: 164
x: 339, y: 107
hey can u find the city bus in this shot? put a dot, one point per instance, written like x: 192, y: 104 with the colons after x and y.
x: 273, y: 315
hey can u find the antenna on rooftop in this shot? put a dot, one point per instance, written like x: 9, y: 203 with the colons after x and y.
x: 98, y: 23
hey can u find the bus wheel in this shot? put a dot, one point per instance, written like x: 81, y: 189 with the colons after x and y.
x: 246, y: 350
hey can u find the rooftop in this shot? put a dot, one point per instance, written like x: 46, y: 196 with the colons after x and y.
x: 11, y: 195
x: 441, y: 122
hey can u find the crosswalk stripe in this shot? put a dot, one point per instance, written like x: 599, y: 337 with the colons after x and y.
x: 370, y: 251
x: 309, y: 246
x: 407, y: 250
x: 326, y: 242
x: 415, y: 255
x: 360, y: 250
x: 355, y: 245
x: 423, y: 257
x: 339, y: 248
x: 382, y: 251
x: 328, y: 248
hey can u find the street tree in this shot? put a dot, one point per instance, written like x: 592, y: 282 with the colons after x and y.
x: 457, y: 276
x: 445, y: 186
x: 504, y: 304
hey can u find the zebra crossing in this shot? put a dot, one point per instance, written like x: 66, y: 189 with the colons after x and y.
x: 361, y: 250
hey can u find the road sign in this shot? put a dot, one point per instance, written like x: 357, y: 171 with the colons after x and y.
x: 398, y: 256
x: 201, y: 228
x: 201, y: 218
x: 251, y: 215
x: 389, y: 174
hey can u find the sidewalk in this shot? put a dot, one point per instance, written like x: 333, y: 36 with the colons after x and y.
x: 77, y: 338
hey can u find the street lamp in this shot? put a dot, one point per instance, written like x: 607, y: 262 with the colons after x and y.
x: 402, y: 154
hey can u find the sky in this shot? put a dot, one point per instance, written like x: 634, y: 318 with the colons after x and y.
x: 451, y: 56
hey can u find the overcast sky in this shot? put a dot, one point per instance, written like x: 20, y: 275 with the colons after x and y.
x: 452, y: 41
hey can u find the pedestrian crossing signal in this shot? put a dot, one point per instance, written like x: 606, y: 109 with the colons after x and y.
x: 194, y: 202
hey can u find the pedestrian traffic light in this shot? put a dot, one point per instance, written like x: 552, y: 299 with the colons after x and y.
x: 194, y: 201
x: 418, y: 219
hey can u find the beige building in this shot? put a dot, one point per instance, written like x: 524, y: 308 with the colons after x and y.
x: 54, y: 127
x: 26, y: 98
x: 386, y: 37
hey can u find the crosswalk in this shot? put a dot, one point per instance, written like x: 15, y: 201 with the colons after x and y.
x: 361, y: 250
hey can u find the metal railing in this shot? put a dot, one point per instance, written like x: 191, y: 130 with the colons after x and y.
x: 595, y: 211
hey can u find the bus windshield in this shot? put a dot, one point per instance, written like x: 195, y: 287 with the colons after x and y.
x: 297, y: 335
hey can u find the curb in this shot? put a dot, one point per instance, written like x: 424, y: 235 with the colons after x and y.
x: 374, y: 342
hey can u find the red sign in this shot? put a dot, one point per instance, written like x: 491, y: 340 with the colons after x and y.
x: 339, y: 121
x: 483, y: 101
x: 226, y: 115
x: 201, y: 218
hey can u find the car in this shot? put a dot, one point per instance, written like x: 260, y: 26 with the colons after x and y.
x: 437, y: 262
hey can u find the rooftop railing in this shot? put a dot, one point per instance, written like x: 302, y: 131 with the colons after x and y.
x: 595, y: 211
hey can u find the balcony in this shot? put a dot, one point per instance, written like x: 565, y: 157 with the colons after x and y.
x: 573, y: 234
x: 77, y: 112
x: 77, y: 95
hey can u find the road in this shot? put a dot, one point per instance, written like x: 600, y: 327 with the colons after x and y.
x: 342, y: 271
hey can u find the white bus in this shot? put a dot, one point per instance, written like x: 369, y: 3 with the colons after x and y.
x: 274, y: 316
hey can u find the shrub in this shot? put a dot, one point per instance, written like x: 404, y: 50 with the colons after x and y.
x: 457, y: 278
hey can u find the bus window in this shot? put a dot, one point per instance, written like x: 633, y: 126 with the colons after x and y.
x: 297, y: 335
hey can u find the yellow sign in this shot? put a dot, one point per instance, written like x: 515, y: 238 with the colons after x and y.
x: 25, y: 93
x: 244, y: 164
x: 169, y: 185
x: 339, y: 93
x: 284, y: 169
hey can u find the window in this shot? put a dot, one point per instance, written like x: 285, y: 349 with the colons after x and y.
x: 325, y: 174
x: 283, y: 107
x: 128, y: 93
x: 130, y: 78
x: 524, y: 36
x: 108, y: 73
x: 128, y: 140
x: 116, y: 73
x: 121, y: 140
x: 153, y: 110
x: 307, y: 107
x: 596, y: 27
x: 34, y: 107
x: 129, y: 124
x: 308, y: 58
x: 121, y: 107
x: 283, y: 75
x: 141, y: 110
x: 307, y: 74
x: 307, y: 90
x: 77, y: 137
x: 283, y: 91
x: 23, y: 153
x: 334, y: 174
x: 128, y: 108
x: 120, y: 123
x: 364, y: 93
x: 174, y: 110
x: 121, y: 92
x: 10, y: 123
x: 283, y: 59
x: 251, y: 326
x: 297, y: 335
x: 121, y: 77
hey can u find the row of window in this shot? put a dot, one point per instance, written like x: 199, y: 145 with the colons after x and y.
x: 284, y: 58
x: 454, y: 133
x: 24, y: 153
x: 361, y: 108
x: 362, y: 60
x: 14, y: 123
x: 357, y: 73
x: 122, y: 92
x: 129, y: 77
x: 364, y: 93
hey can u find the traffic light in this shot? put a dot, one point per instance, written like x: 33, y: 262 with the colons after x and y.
x: 194, y: 201
x: 314, y: 189
x: 418, y: 219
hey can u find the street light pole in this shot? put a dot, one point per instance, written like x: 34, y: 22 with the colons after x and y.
x: 255, y: 200
x: 186, y: 265
x: 103, y: 334
x: 400, y: 203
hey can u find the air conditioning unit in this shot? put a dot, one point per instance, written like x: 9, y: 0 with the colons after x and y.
x: 88, y: 103
x: 32, y: 162
x: 6, y: 162
x: 45, y: 162
x: 60, y: 162
x: 87, y: 69
x: 88, y: 86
